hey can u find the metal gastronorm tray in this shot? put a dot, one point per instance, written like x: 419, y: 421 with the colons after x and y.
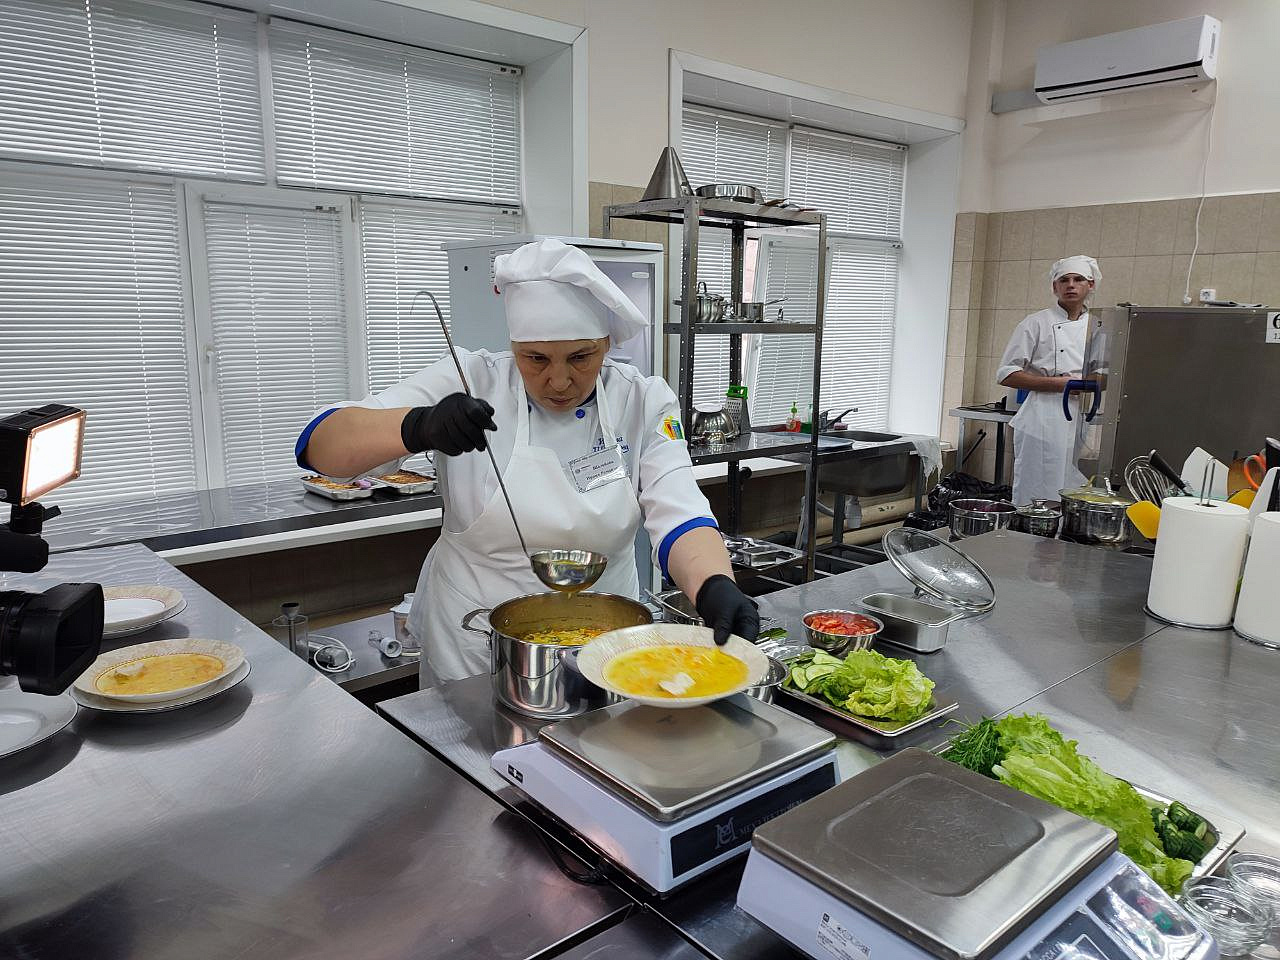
x: 881, y: 734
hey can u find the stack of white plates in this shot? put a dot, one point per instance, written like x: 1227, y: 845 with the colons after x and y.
x: 132, y: 609
x: 235, y: 668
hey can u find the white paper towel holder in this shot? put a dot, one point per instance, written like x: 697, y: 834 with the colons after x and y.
x: 1205, y: 482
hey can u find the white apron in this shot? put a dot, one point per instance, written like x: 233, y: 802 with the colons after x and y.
x: 1044, y: 441
x: 483, y: 565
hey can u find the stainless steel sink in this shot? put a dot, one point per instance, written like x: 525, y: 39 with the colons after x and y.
x: 865, y: 435
x: 869, y: 475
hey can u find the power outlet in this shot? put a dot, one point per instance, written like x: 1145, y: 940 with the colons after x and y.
x: 1207, y: 294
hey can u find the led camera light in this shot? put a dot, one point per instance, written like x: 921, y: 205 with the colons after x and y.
x: 40, y: 450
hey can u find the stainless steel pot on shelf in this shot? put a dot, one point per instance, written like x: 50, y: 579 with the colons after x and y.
x: 542, y: 679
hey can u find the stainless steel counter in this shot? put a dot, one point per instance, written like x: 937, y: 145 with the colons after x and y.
x: 1060, y: 608
x: 214, y: 516
x: 1067, y: 637
x: 281, y: 820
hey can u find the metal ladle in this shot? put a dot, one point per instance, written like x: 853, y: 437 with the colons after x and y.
x: 568, y: 571
x: 444, y: 328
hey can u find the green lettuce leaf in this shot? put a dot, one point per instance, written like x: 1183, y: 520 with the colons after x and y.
x: 886, y: 688
x: 1063, y: 777
x: 865, y: 683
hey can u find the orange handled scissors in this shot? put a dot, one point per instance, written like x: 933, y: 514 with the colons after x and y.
x: 1251, y: 461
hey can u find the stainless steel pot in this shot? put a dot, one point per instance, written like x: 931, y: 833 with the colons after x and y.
x: 707, y: 307
x: 752, y: 311
x: 542, y: 679
x: 1041, y: 518
x: 1095, y: 515
x: 969, y: 518
x: 743, y: 192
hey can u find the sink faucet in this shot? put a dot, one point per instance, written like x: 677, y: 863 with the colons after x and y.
x: 825, y: 421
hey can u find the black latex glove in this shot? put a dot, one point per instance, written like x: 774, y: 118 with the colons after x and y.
x: 726, y: 609
x: 454, y: 425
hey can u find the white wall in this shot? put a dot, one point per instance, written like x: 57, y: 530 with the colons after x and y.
x: 1149, y: 154
x: 913, y: 53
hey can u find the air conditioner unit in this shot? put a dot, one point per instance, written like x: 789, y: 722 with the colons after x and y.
x: 1180, y: 51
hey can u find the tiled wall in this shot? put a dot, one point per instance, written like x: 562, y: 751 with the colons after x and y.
x: 1001, y: 263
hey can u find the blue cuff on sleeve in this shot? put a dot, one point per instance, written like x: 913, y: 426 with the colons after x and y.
x: 301, y: 446
x: 669, y: 541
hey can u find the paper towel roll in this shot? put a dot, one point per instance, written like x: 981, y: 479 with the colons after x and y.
x: 1258, y: 612
x: 1197, y: 563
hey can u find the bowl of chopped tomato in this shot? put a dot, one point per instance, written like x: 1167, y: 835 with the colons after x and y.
x: 839, y: 631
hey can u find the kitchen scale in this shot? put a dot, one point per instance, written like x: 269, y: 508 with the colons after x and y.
x: 918, y: 858
x: 665, y: 793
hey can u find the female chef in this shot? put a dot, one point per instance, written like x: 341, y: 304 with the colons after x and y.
x: 589, y: 448
x: 1044, y: 353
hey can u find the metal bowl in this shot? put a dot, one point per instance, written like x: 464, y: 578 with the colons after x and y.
x: 838, y: 644
x: 770, y: 682
x: 568, y: 570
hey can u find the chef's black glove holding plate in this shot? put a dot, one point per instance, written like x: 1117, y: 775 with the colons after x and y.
x: 455, y: 425
x: 726, y: 609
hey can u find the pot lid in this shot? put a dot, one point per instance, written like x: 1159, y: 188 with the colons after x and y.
x: 1040, y: 508
x: 1095, y: 495
x: 939, y: 569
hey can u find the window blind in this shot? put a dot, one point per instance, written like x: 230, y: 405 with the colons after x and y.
x: 380, y: 117
x: 279, y: 329
x: 132, y: 85
x: 402, y: 253
x: 91, y: 314
x: 720, y: 147
x: 857, y: 183
x: 857, y: 335
x: 782, y: 366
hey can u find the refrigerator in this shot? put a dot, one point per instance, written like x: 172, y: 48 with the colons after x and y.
x: 480, y: 323
x: 1174, y: 378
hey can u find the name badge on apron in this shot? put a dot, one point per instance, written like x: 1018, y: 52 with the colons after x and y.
x: 597, y: 469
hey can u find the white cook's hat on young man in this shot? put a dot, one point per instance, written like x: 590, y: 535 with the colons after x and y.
x: 553, y: 291
x: 1087, y: 267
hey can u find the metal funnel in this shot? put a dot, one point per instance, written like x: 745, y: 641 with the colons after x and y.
x: 668, y: 179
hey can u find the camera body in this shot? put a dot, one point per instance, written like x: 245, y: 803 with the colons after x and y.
x: 46, y: 639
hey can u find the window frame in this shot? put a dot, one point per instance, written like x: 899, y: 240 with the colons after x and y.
x: 352, y: 304
x: 50, y: 173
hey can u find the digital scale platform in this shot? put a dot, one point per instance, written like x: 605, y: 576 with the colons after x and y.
x: 667, y: 794
x: 918, y: 858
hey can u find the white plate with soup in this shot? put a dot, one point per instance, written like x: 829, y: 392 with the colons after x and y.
x: 671, y: 664
x: 161, y: 670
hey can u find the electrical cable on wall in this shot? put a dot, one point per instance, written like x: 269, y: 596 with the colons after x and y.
x: 1204, y: 173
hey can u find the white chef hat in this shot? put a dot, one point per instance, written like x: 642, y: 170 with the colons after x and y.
x: 1085, y: 266
x: 553, y: 291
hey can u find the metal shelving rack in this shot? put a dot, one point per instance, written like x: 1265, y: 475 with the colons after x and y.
x: 693, y: 212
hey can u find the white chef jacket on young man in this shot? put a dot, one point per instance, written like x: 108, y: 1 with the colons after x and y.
x: 549, y: 461
x: 1044, y: 447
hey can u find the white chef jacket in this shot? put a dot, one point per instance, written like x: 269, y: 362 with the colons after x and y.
x: 658, y: 466
x: 1044, y: 440
x: 1046, y: 343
